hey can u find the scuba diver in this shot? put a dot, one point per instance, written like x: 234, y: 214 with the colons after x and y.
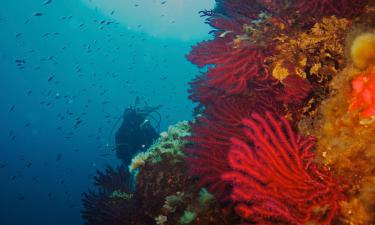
x: 137, y: 131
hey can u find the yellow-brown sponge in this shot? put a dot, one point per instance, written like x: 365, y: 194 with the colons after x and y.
x: 363, y: 50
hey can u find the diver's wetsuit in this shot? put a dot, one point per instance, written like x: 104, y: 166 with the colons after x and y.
x: 133, y: 135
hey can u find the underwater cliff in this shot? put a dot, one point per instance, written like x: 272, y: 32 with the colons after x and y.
x: 276, y: 126
x: 283, y: 130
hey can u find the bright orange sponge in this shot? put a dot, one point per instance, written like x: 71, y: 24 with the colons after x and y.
x: 363, y: 94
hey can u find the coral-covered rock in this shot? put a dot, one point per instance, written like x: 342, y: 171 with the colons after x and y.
x: 166, y: 193
x: 346, y: 145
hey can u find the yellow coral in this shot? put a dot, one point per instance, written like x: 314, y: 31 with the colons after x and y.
x: 304, y: 51
x: 363, y: 50
x: 279, y: 72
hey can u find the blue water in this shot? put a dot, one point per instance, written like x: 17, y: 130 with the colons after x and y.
x: 80, y: 62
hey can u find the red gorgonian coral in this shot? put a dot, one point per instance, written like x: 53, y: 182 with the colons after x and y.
x: 320, y: 8
x: 275, y: 179
x: 230, y: 67
x: 296, y: 89
x: 210, y: 142
x: 211, y: 134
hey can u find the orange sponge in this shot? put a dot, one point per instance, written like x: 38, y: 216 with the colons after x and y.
x: 363, y: 94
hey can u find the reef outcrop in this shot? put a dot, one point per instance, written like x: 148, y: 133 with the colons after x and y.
x: 283, y: 130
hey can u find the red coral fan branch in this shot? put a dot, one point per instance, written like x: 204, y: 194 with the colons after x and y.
x: 236, y: 68
x: 296, y: 89
x: 205, y: 52
x: 113, y: 179
x: 203, y: 93
x: 210, y: 138
x: 231, y: 68
x: 223, y: 24
x: 275, y: 179
x: 211, y: 135
x: 238, y: 8
x: 320, y: 8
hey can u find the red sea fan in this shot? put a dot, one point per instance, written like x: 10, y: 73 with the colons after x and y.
x: 103, y: 207
x: 230, y: 68
x: 296, y: 89
x: 275, y: 179
x: 113, y: 179
x: 210, y: 143
x: 238, y: 8
x: 205, y: 52
x: 223, y: 24
x: 320, y: 8
x: 236, y: 68
x: 211, y: 135
x: 100, y: 209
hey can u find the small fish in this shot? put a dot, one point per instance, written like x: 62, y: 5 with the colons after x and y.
x: 144, y: 122
x: 12, y: 108
x: 20, y: 61
x: 47, y: 2
x: 58, y: 157
x: 49, y: 195
x: 29, y: 164
x: 51, y: 78
x: 38, y: 14
x: 2, y: 166
x: 14, y: 177
x: 225, y: 33
x: 21, y: 198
